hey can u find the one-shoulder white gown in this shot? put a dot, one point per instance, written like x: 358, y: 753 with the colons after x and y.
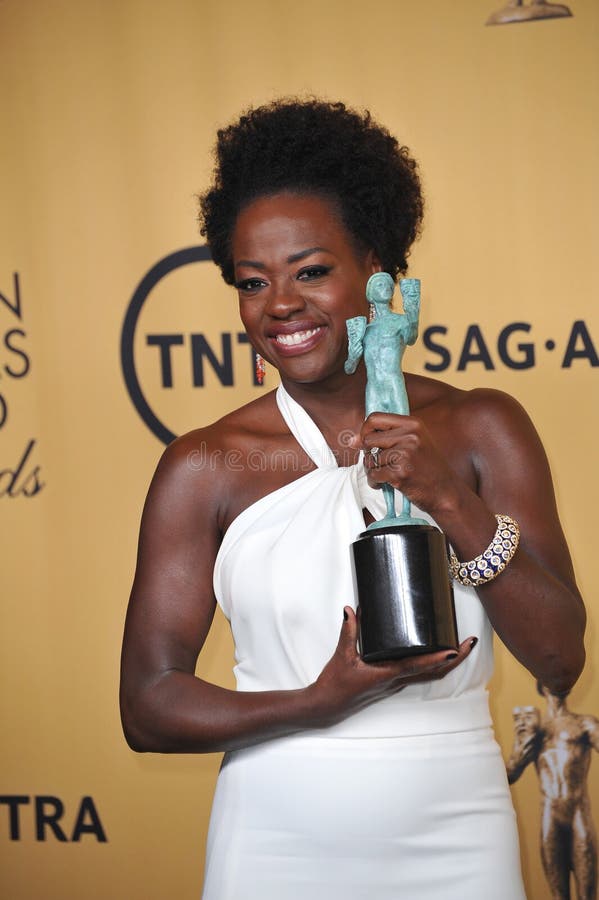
x: 407, y: 798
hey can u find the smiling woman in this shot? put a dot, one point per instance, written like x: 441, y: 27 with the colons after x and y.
x: 341, y: 779
x: 298, y: 276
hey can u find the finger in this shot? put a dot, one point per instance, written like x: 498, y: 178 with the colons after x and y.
x: 408, y: 432
x: 440, y: 671
x: 349, y: 630
x: 382, y: 421
x: 398, y: 477
x: 378, y: 456
x: 377, y: 477
x: 369, y: 429
x: 464, y: 649
x: 467, y: 646
x: 443, y: 659
x: 418, y: 664
x: 386, y: 463
x: 391, y: 439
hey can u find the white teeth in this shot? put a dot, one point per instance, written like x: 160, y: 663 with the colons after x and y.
x: 297, y: 337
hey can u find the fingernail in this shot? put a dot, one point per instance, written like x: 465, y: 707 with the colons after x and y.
x: 451, y: 655
x: 473, y: 643
x: 345, y: 616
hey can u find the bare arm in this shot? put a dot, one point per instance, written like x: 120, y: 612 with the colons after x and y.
x: 356, y: 328
x: 523, y: 753
x: 411, y: 332
x: 528, y: 737
x: 591, y: 725
x: 410, y: 292
x: 534, y: 605
x: 164, y: 706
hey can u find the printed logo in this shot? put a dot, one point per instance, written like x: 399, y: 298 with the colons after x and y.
x: 19, y: 476
x: 168, y: 354
x: 44, y: 816
x: 167, y: 357
x: 514, y: 347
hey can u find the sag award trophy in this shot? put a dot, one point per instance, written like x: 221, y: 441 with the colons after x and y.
x: 400, y: 563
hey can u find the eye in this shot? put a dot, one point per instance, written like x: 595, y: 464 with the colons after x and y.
x: 312, y: 273
x: 250, y: 285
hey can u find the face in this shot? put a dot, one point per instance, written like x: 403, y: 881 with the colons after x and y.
x: 526, y: 719
x: 299, y: 276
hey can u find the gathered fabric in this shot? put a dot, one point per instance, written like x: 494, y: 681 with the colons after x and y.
x: 405, y: 798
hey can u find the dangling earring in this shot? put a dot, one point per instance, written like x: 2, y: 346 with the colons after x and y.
x: 259, y: 369
x: 371, y: 312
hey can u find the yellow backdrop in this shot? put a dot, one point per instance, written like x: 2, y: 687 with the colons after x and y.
x: 108, y: 112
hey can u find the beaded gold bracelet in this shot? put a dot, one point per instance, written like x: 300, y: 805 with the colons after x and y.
x: 493, y: 560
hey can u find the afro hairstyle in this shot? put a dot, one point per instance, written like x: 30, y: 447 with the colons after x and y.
x: 316, y: 147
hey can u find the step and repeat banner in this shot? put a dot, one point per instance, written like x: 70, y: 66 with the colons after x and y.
x: 116, y: 334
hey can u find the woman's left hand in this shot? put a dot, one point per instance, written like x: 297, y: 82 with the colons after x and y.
x: 407, y: 459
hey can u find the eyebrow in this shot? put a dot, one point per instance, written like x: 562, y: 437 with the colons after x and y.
x: 295, y: 257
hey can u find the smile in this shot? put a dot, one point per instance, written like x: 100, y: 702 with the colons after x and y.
x: 297, y: 341
x: 298, y: 337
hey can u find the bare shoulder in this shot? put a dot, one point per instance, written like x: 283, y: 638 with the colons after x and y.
x: 590, y: 724
x: 257, y: 419
x: 481, y: 414
x: 490, y: 404
x: 429, y: 393
x: 426, y: 392
x: 252, y: 421
x: 495, y: 419
x: 200, y: 468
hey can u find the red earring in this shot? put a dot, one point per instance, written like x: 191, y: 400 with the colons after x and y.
x: 259, y: 369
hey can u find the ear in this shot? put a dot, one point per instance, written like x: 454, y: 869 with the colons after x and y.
x: 374, y: 263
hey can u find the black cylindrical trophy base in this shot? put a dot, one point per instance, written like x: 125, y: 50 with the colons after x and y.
x: 404, y: 592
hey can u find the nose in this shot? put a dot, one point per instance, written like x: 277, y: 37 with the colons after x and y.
x: 284, y: 299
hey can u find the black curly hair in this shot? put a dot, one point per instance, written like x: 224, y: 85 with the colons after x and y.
x: 320, y: 148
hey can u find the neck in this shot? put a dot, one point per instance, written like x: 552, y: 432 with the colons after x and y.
x: 335, y: 404
x: 555, y: 705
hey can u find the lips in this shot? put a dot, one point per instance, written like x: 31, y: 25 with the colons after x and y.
x: 295, y: 340
x: 298, y: 337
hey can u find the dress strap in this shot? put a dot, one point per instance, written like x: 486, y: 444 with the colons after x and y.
x: 305, y: 431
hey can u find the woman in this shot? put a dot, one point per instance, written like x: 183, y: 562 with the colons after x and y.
x: 341, y: 779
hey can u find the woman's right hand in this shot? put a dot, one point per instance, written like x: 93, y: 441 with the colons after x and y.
x: 166, y: 707
x: 347, y: 683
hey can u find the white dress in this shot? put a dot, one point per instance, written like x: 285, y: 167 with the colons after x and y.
x: 407, y: 798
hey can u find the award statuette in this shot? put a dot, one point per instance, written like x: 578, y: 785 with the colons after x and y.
x: 400, y: 563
